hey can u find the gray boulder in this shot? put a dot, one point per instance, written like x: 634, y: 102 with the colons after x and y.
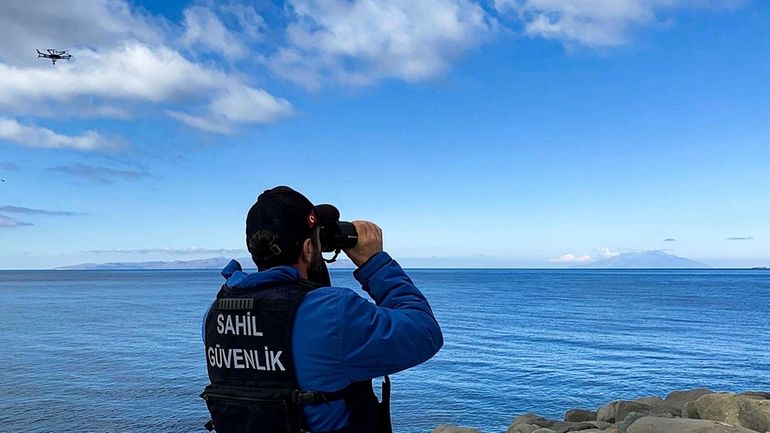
x: 628, y: 420
x: 679, y: 398
x: 747, y: 411
x: 579, y: 415
x: 530, y: 422
x: 689, y: 410
x: 606, y: 413
x: 543, y: 430
x: 448, y: 428
x: 660, y: 406
x: 652, y: 401
x: 654, y: 424
x: 528, y: 418
x: 564, y: 427
x: 757, y: 394
x: 617, y: 410
x: 522, y: 428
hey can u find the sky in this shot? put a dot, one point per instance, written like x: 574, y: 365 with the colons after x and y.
x: 498, y: 133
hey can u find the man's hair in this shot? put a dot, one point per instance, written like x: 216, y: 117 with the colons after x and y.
x: 288, y: 257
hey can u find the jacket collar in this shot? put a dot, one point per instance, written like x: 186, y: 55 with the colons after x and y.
x: 237, y: 279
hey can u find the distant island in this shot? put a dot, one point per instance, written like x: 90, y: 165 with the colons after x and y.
x: 210, y: 263
x: 640, y: 260
x: 645, y: 260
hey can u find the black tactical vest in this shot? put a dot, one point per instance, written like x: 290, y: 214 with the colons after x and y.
x: 248, y: 341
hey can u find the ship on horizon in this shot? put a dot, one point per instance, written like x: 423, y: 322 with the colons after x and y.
x: 759, y: 268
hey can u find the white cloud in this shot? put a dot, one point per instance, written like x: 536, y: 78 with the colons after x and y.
x: 250, y: 22
x: 600, y: 253
x: 203, y: 28
x: 607, y: 252
x: 237, y: 105
x: 571, y: 258
x: 133, y: 72
x: 597, y: 23
x: 139, y: 74
x: 248, y: 105
x: 204, y: 123
x: 34, y: 136
x: 359, y: 42
x: 124, y: 62
x: 98, y: 24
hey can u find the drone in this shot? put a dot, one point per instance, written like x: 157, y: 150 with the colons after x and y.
x: 54, y: 55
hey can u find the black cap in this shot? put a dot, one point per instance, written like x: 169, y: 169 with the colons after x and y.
x: 289, y: 218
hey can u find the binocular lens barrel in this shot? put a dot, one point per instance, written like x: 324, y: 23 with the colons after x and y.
x: 348, y: 235
x: 338, y: 235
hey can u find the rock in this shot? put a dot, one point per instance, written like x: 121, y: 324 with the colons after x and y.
x: 448, y: 428
x: 652, y: 401
x: 617, y: 410
x: 628, y: 420
x: 543, y: 430
x: 757, y: 394
x: 654, y: 424
x: 532, y: 418
x: 528, y: 418
x: 579, y: 415
x: 601, y: 425
x: 606, y: 413
x: 677, y: 399
x: 747, y: 411
x: 564, y: 427
x: 659, y: 406
x: 689, y: 410
x: 612, y: 429
x: 529, y: 422
x: 522, y: 428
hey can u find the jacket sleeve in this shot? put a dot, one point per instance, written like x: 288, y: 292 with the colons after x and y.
x: 398, y: 332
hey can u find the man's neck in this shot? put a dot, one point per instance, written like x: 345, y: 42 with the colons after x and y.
x: 302, y: 269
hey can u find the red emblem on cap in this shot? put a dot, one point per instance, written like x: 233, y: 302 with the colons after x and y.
x: 311, y: 219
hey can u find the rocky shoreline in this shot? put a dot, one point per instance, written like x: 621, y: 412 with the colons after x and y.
x: 693, y: 411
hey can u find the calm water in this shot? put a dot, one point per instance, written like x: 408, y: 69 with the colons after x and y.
x: 120, y: 351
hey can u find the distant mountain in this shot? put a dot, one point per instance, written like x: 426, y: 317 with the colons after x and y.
x: 646, y: 260
x: 210, y: 263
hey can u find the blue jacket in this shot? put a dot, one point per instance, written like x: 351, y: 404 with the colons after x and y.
x: 340, y: 337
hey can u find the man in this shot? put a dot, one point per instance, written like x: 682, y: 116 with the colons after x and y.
x: 286, y: 352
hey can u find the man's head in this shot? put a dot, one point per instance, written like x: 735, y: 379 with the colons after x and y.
x: 282, y: 229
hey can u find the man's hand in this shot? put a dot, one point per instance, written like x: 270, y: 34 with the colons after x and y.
x: 369, y: 242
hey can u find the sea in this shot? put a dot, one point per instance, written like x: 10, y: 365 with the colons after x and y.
x: 121, y: 351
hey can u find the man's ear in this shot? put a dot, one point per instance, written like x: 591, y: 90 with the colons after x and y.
x: 307, y: 250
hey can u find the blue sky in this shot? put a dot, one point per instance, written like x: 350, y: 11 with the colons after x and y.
x: 499, y: 133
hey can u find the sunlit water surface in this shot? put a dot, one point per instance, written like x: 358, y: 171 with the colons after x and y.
x: 120, y: 351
